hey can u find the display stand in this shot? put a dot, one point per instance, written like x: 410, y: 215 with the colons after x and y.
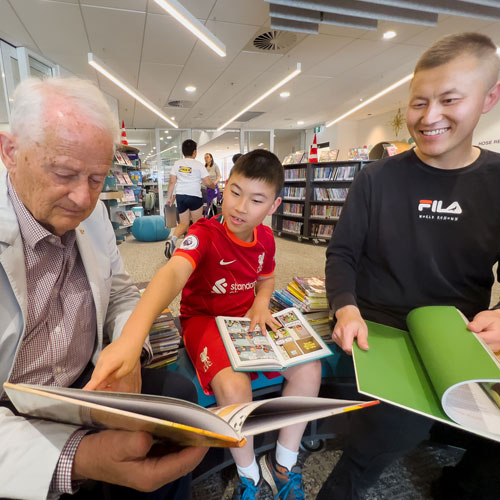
x: 121, y: 194
x: 313, y: 197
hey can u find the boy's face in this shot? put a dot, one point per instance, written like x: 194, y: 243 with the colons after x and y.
x: 246, y: 203
x: 445, y: 105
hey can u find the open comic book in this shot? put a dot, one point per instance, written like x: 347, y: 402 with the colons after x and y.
x: 294, y: 343
x: 438, y: 369
x: 173, y: 420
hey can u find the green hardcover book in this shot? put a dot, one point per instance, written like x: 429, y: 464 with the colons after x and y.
x: 437, y: 368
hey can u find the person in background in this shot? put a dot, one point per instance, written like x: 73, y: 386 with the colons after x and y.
x: 392, y: 252
x: 64, y: 292
x: 186, y: 178
x: 214, y: 174
x: 225, y: 266
x: 235, y: 157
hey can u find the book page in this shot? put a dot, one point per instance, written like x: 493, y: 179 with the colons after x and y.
x: 247, y: 348
x: 392, y: 370
x: 296, y: 341
x: 266, y: 415
x: 174, y: 419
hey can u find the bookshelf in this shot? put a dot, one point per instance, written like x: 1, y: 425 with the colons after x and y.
x: 123, y: 191
x: 313, y: 197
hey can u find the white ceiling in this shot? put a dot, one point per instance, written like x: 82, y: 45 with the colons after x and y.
x: 160, y: 58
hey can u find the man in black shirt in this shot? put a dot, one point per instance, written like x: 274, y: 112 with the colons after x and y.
x: 420, y: 228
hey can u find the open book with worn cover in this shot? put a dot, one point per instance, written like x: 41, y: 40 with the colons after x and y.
x: 293, y: 343
x: 438, y: 368
x: 173, y: 420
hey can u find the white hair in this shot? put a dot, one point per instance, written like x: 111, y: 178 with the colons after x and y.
x: 30, y: 97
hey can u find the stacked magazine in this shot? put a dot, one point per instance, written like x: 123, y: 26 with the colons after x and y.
x: 165, y: 339
x: 309, y: 296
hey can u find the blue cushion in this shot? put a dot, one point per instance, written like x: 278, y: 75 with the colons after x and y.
x: 150, y: 228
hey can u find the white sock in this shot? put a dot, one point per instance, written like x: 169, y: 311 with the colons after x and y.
x: 252, y: 471
x: 285, y: 457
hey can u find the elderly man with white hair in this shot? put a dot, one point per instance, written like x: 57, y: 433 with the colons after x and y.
x: 64, y: 290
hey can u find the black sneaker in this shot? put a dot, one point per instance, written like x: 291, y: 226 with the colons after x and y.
x: 169, y: 248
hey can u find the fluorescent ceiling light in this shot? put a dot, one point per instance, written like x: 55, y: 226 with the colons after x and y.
x: 261, y: 144
x: 285, y: 94
x: 190, y: 88
x: 120, y: 82
x: 371, y: 99
x: 280, y: 84
x: 300, y: 122
x: 389, y: 34
x: 181, y: 14
x: 169, y: 137
x: 154, y: 154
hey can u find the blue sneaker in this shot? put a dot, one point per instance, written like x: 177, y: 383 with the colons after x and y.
x: 285, y: 484
x: 247, y: 489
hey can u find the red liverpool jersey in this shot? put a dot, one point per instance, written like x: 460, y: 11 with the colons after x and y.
x: 226, y: 268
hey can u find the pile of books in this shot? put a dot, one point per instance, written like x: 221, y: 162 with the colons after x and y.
x: 165, y: 339
x: 309, y: 296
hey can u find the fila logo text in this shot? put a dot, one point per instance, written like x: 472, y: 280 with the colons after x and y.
x: 437, y: 207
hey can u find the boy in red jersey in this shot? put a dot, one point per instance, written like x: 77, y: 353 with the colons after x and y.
x: 225, y: 266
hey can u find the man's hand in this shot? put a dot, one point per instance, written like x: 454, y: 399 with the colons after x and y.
x: 486, y: 324
x: 350, y: 325
x: 116, y: 361
x: 261, y: 315
x: 120, y: 457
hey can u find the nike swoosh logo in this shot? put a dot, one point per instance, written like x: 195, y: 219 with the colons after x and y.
x: 224, y: 263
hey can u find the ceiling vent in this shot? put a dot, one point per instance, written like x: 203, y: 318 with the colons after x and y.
x: 180, y: 104
x: 274, y: 40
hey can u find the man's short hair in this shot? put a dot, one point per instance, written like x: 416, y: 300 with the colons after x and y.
x: 469, y: 43
x: 32, y: 94
x: 236, y: 156
x: 189, y: 147
x: 262, y: 165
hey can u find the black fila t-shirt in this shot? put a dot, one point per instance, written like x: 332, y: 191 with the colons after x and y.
x: 412, y: 235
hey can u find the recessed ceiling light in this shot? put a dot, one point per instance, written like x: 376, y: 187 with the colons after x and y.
x: 285, y: 94
x: 300, y: 122
x: 172, y: 118
x: 190, y: 88
x: 169, y: 137
x: 261, y: 144
x: 389, y: 34
x: 360, y: 99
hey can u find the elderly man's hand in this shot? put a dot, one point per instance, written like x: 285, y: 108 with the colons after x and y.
x: 487, y: 326
x: 120, y: 457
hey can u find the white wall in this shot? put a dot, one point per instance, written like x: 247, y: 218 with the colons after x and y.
x: 4, y: 127
x: 487, y: 133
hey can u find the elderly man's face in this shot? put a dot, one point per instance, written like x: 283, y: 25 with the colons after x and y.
x: 59, y: 179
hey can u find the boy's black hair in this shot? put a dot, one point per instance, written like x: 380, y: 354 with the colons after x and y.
x: 236, y: 156
x: 189, y: 147
x: 262, y: 165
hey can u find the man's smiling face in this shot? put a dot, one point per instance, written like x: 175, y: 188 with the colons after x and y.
x: 445, y: 105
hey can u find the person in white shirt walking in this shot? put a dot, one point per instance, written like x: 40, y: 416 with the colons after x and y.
x: 186, y: 178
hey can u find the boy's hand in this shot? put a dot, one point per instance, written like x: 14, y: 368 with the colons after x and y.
x: 116, y: 361
x: 260, y: 315
x: 350, y: 325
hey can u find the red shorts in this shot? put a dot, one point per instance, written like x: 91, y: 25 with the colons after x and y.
x: 206, y: 350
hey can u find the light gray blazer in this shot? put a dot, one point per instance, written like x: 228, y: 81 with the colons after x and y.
x: 30, y: 449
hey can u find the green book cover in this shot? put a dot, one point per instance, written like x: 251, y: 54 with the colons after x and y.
x: 436, y: 368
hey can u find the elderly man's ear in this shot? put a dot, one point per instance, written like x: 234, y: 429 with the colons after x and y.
x: 8, y: 149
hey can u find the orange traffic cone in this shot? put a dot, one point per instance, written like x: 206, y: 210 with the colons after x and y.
x: 124, y: 134
x: 313, y: 154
